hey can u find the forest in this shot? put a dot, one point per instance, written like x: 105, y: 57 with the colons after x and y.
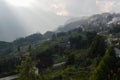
x: 72, y: 55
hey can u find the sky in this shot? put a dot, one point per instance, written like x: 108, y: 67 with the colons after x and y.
x: 19, y: 18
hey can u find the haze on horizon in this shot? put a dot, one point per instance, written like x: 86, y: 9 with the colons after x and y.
x: 19, y: 18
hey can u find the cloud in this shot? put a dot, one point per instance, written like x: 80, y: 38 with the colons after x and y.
x: 79, y: 8
x: 20, y: 3
x: 60, y: 9
x: 44, y: 15
x: 107, y: 5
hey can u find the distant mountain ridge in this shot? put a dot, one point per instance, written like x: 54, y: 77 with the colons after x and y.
x: 7, y: 48
x: 98, y: 22
x: 93, y: 23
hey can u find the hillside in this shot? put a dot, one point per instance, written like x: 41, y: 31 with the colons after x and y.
x: 73, y: 54
x: 21, y: 44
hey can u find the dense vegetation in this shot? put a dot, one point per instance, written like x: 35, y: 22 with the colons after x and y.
x: 107, y: 68
x: 72, y: 55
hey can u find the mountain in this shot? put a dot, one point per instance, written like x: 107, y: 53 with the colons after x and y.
x: 74, y: 19
x: 48, y: 34
x: 22, y: 44
x: 19, y: 45
x: 96, y: 22
x: 77, y: 52
x: 5, y: 48
x: 34, y: 38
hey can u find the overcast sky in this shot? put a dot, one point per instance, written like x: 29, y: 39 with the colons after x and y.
x: 19, y: 18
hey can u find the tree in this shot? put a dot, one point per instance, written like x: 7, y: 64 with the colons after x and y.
x: 45, y: 60
x: 71, y: 59
x: 97, y: 47
x: 27, y: 69
x: 115, y: 29
x: 90, y: 37
x: 105, y: 69
x: 54, y: 37
x: 18, y: 49
x: 29, y: 48
x: 76, y: 42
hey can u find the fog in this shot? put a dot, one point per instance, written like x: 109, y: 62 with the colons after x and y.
x: 19, y: 18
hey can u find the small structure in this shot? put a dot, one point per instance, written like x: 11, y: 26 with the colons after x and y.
x: 58, y: 65
x: 117, y: 51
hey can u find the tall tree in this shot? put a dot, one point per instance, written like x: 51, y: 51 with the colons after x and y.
x: 105, y: 69
x: 27, y: 69
x: 71, y: 59
x: 97, y: 47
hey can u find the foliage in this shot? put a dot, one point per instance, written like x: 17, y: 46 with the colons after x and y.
x: 105, y: 70
x: 97, y: 47
x: 70, y: 48
x: 27, y: 69
x: 71, y: 60
x: 115, y: 29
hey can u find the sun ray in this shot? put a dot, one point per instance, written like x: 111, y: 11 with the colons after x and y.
x: 20, y: 3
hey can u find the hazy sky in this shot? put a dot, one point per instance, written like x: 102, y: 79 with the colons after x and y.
x: 23, y: 17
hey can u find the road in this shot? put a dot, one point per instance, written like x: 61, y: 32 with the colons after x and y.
x: 9, y: 77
